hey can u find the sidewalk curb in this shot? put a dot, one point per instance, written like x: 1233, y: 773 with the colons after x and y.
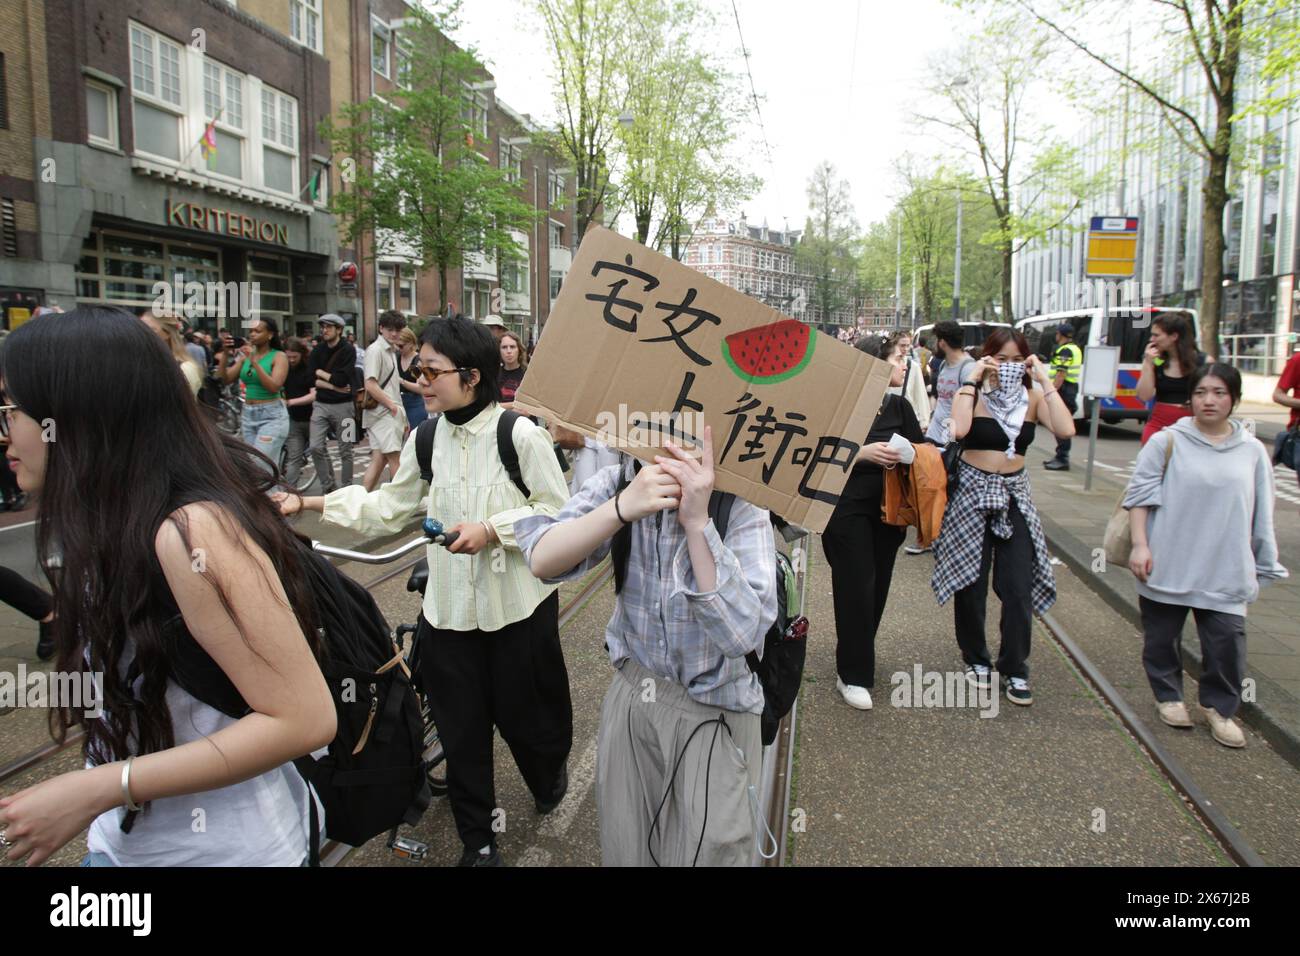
x: 1275, y: 723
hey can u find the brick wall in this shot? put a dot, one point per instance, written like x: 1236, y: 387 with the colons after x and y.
x: 22, y: 31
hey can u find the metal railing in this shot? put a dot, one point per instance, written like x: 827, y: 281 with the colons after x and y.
x: 1258, y: 354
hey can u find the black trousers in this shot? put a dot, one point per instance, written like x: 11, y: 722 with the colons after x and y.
x: 513, y: 679
x: 1223, y: 653
x: 23, y: 596
x: 861, y: 550
x: 1070, y: 395
x: 1012, y: 562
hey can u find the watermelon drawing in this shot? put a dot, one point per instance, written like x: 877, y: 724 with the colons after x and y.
x: 770, y: 353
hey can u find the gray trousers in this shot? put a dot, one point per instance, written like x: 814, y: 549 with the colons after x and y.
x: 332, y: 421
x: 295, y: 449
x: 1223, y: 653
x: 647, y: 725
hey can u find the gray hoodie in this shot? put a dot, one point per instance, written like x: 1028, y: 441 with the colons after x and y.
x: 1210, y: 528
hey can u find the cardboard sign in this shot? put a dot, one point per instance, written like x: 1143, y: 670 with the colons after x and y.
x: 640, y: 349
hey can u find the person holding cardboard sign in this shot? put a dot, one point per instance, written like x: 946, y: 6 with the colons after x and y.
x: 679, y: 749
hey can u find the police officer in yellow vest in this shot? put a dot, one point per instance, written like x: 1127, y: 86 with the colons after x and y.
x: 1067, y: 361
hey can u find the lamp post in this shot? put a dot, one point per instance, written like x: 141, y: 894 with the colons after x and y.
x: 956, y: 272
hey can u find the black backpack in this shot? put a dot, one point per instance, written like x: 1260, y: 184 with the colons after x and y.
x: 373, y: 778
x: 780, y: 669
x: 505, y: 448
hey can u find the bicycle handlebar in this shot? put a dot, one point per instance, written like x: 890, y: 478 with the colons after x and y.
x: 433, y: 533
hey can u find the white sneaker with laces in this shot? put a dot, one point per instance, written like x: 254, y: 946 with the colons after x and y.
x: 1174, y: 713
x: 1224, y: 729
x: 853, y: 695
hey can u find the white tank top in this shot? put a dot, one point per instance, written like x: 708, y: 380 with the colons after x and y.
x: 260, y: 822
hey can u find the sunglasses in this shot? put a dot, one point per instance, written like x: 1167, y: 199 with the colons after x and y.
x: 431, y: 374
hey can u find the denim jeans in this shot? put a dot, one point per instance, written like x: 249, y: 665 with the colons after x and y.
x: 265, y: 427
x: 97, y: 859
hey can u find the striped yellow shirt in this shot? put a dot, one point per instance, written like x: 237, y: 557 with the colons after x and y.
x: 493, y: 588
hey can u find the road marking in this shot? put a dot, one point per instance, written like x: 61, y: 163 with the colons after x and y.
x: 15, y: 527
x: 1102, y: 464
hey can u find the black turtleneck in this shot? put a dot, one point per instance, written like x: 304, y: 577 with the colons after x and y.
x: 459, y: 416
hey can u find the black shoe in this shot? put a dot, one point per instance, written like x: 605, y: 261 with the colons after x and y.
x: 45, y: 645
x: 1056, y: 464
x: 561, y: 788
x: 475, y: 858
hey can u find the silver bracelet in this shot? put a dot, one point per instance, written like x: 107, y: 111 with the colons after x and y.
x: 126, y: 785
x: 488, y: 528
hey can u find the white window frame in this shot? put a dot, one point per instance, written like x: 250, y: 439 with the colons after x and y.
x: 276, y: 142
x: 113, y: 136
x: 224, y: 75
x: 551, y: 228
x: 307, y: 9
x: 153, y: 97
x: 475, y: 112
x: 380, y: 29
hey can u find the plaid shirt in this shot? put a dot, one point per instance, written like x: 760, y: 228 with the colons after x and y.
x: 696, y: 639
x: 958, y: 551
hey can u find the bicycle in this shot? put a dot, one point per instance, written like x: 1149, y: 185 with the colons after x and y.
x: 434, y: 756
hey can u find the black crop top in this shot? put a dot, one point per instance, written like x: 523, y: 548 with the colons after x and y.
x: 1174, y: 391
x: 987, y: 435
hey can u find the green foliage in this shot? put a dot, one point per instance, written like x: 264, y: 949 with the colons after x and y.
x: 828, y: 250
x: 413, y: 177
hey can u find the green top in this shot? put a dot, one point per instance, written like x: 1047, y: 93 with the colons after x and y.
x: 1068, y: 358
x: 253, y: 389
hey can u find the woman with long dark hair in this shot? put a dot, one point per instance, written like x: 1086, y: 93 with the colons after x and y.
x: 514, y: 363
x: 1201, y: 512
x: 859, y: 546
x: 265, y: 420
x: 990, y: 522
x: 1167, y: 366
x: 166, y: 539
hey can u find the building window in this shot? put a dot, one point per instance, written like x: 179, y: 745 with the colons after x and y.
x: 120, y: 269
x: 510, y: 157
x: 279, y: 141
x: 557, y: 235
x: 379, y: 43
x: 304, y: 23
x: 318, y: 187
x: 156, y: 93
x: 223, y: 107
x: 512, y: 277
x: 475, y: 113
x: 476, y: 299
x: 271, y: 277
x: 101, y: 115
x: 386, y: 286
x: 402, y: 62
x: 555, y: 189
x: 557, y: 279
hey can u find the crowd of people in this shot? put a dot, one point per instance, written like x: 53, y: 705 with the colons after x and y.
x: 676, y: 767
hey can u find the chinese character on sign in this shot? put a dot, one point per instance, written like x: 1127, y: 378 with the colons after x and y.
x: 650, y: 283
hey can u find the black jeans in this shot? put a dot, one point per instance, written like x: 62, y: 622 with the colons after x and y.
x: 1223, y: 653
x: 513, y: 679
x: 861, y: 550
x: 1012, y: 562
x: 23, y: 596
x: 1070, y: 395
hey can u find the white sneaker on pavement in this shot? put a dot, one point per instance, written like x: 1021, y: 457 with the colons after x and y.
x: 1173, y: 713
x: 917, y: 549
x: 1224, y: 729
x: 853, y: 695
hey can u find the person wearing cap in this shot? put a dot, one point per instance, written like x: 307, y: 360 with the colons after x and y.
x: 332, y: 415
x: 1067, y: 363
x: 495, y: 326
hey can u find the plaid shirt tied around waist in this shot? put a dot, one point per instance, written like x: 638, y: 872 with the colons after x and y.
x: 982, y: 501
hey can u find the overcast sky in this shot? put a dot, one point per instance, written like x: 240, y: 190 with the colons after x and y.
x: 835, y: 80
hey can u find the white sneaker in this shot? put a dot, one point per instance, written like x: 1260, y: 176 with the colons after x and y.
x: 917, y: 549
x: 1173, y: 713
x: 1224, y: 729
x: 853, y: 695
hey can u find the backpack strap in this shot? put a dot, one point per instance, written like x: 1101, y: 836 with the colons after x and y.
x: 720, y: 503
x: 507, y: 450
x: 424, y: 447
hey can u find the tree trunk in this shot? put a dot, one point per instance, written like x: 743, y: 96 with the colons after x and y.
x: 1215, y: 193
x: 1006, y: 283
x: 642, y: 216
x: 442, y: 286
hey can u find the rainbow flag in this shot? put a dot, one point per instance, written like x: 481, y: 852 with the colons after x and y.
x: 208, y: 141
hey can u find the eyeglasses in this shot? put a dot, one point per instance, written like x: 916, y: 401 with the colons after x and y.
x: 5, y: 410
x: 431, y: 374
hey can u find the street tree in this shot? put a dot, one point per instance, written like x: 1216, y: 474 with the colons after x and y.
x: 828, y: 252
x: 1214, y: 37
x: 986, y: 90
x: 413, y: 178
x: 588, y: 44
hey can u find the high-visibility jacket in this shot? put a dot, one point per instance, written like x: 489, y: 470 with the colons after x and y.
x: 1068, y: 358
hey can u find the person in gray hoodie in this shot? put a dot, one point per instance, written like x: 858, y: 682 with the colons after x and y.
x: 1202, y: 523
